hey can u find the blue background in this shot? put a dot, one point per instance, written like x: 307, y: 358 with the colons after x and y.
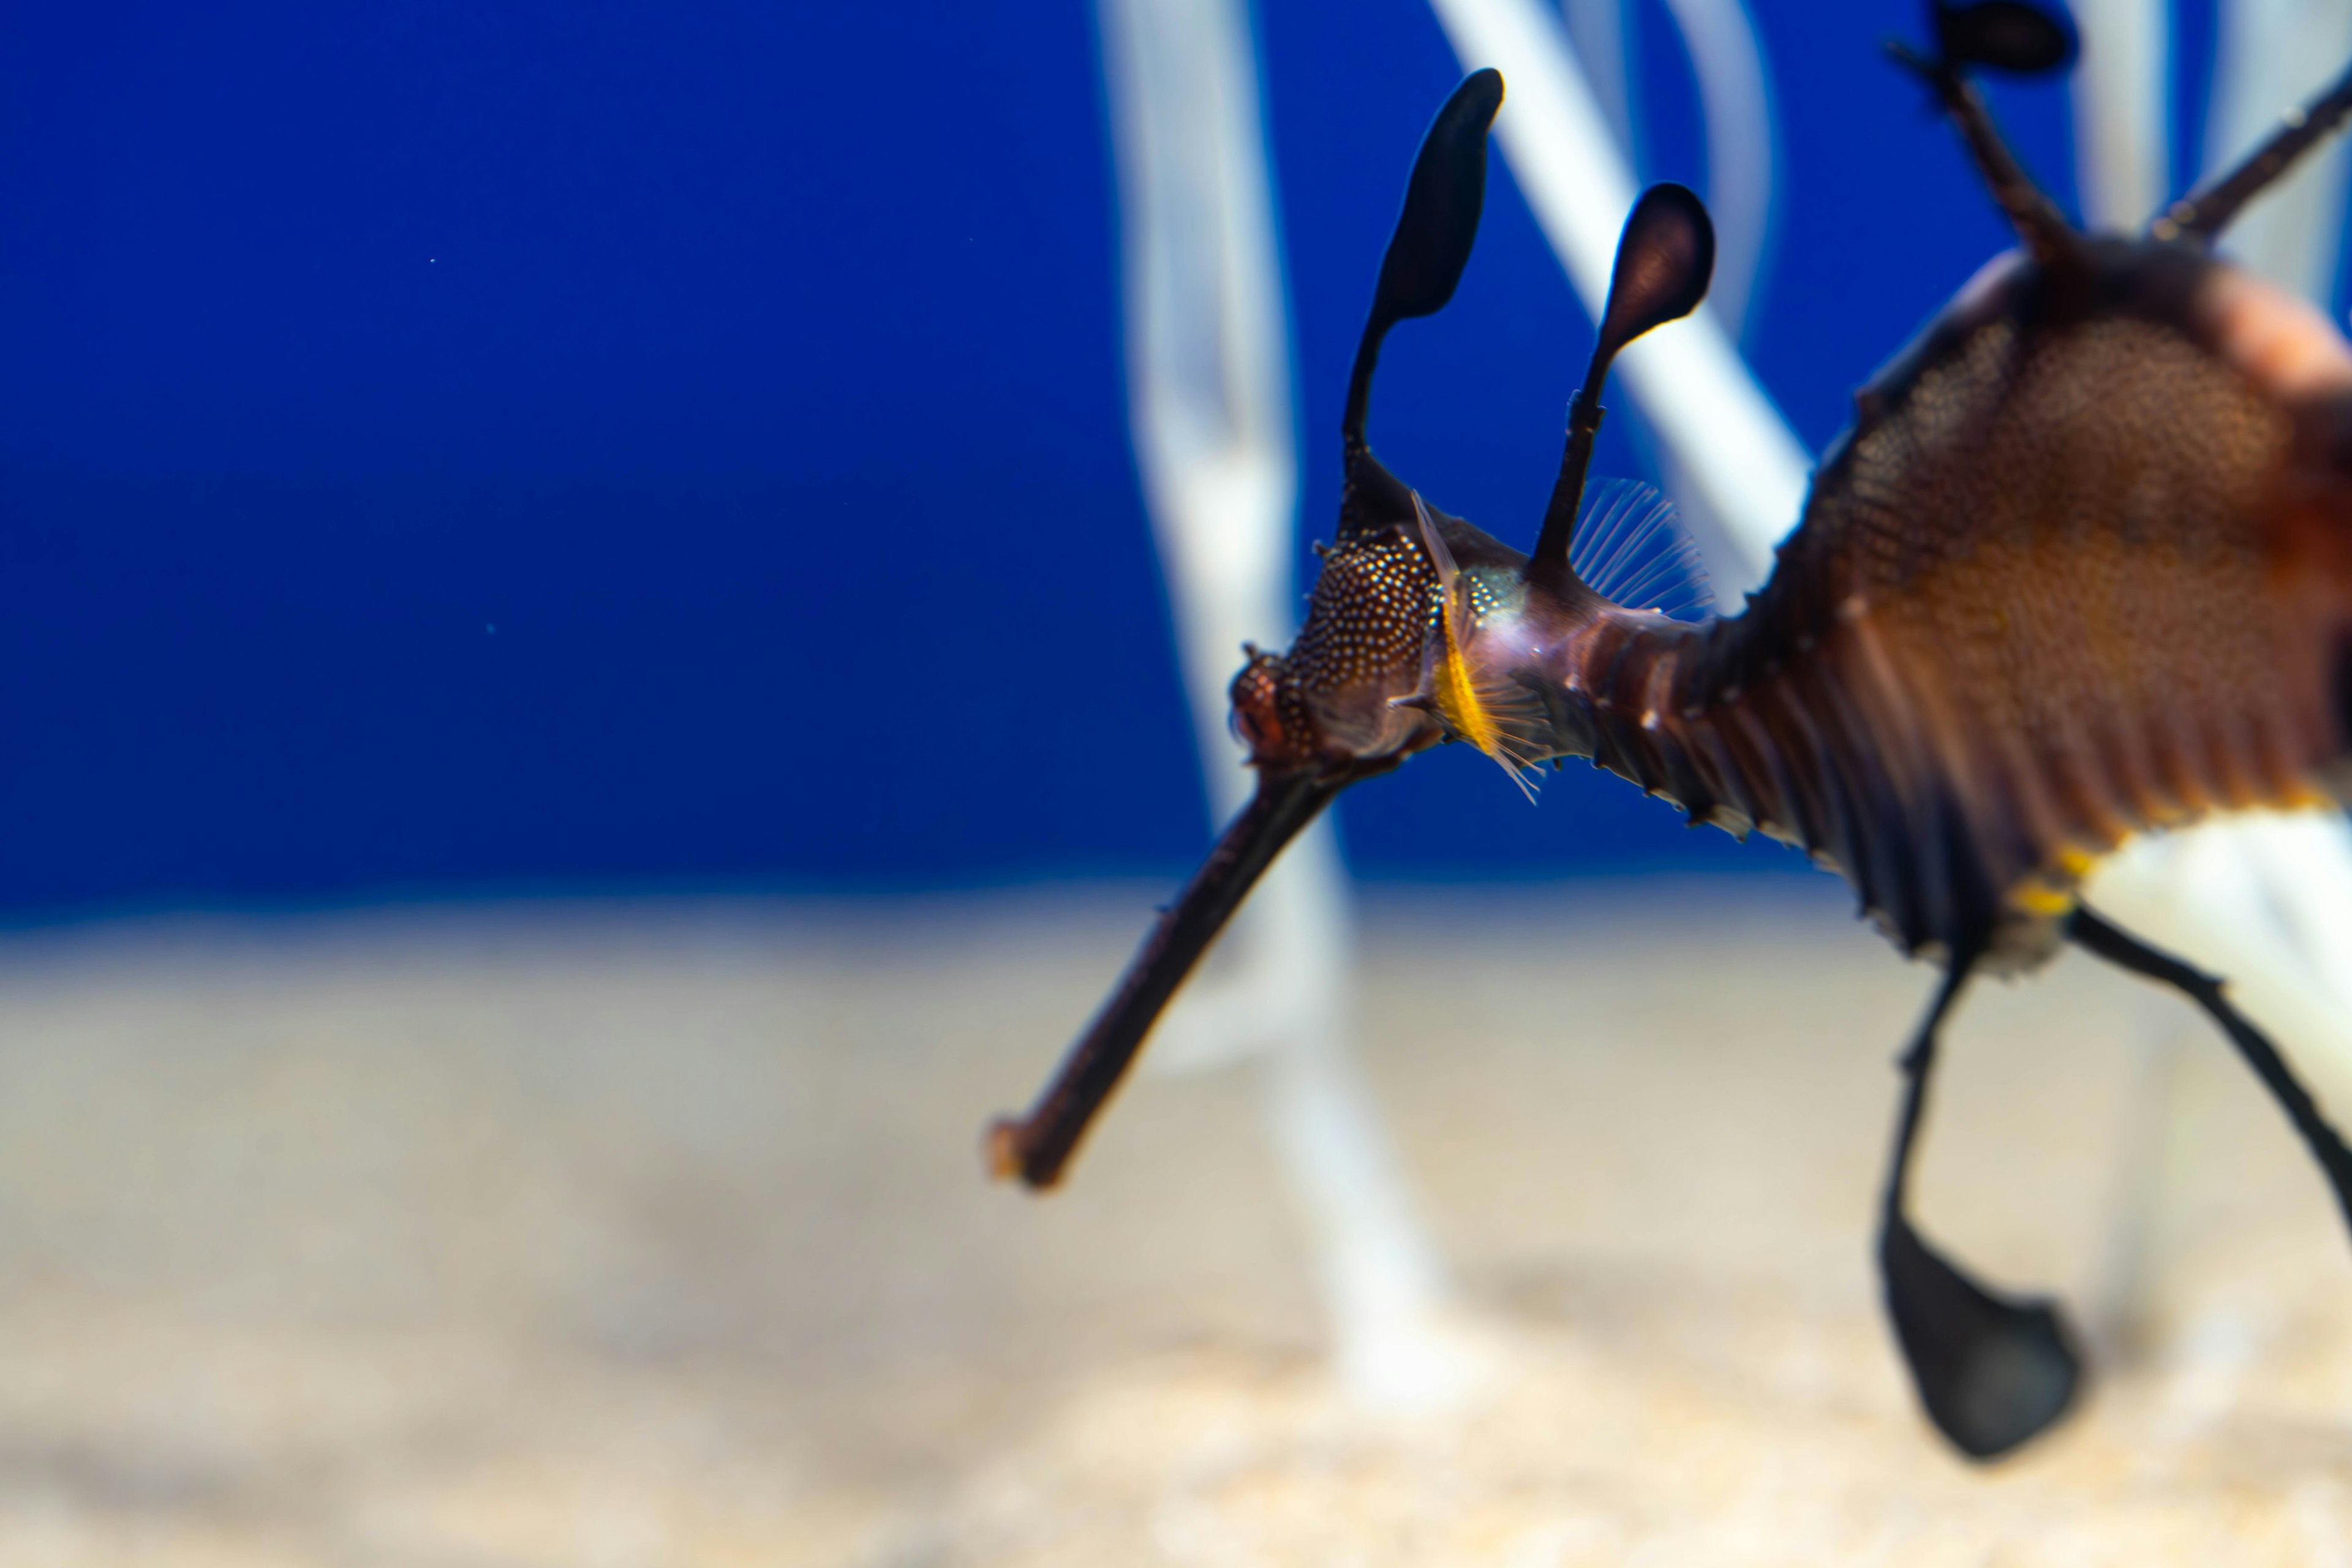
x: 500, y: 445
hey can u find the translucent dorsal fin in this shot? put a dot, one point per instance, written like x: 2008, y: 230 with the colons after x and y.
x: 1631, y: 547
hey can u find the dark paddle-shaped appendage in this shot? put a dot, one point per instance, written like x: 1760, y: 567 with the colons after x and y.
x: 1991, y: 1371
x: 1665, y: 258
x: 2014, y: 36
x: 2005, y: 36
x: 1431, y: 245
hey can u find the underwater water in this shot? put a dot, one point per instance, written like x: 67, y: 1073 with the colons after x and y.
x: 524, y: 446
x: 587, y: 692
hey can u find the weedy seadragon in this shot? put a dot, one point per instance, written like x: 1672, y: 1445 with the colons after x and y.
x: 2080, y: 569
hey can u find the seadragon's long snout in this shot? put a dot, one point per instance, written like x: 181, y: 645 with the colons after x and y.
x: 1331, y: 711
x: 1406, y: 603
x: 1033, y: 1149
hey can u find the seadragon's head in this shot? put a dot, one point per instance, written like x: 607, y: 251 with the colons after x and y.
x: 1417, y: 618
x: 1419, y: 624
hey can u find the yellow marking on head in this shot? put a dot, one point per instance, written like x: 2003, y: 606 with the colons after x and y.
x: 1456, y: 692
x: 1468, y: 709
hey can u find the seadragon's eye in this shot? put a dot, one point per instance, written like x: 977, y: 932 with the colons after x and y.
x: 1256, y: 695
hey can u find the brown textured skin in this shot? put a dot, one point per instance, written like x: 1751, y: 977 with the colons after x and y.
x: 2078, y: 572
x: 2082, y: 568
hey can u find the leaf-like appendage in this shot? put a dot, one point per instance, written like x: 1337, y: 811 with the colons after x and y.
x: 1442, y: 204
x: 1664, y: 259
x: 2006, y: 34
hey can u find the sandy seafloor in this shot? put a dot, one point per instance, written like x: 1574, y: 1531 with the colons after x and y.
x: 653, y: 1232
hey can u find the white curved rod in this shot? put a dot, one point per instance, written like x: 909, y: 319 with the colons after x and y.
x: 2259, y: 899
x: 1209, y: 402
x: 2123, y: 129
x: 1596, y: 31
x: 2313, y: 850
x: 1728, y: 443
x: 2123, y: 112
x: 1209, y: 380
x: 1207, y: 361
x: 1727, y: 55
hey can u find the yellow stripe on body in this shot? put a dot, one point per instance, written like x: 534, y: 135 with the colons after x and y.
x: 1457, y: 694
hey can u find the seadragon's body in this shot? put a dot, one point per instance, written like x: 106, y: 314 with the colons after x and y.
x: 2082, y: 569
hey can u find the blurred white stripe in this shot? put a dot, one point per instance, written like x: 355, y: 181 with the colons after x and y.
x: 2253, y: 899
x: 1596, y: 31
x: 1208, y: 370
x: 2123, y: 119
x: 1735, y: 89
x: 1208, y: 347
